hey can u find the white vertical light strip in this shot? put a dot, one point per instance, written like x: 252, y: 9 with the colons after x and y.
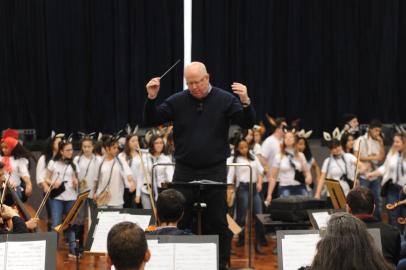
x: 187, y: 34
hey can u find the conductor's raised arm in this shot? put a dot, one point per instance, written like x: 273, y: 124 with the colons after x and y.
x: 155, y: 114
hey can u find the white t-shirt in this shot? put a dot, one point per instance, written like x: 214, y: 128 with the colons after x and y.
x: 286, y: 175
x: 88, y: 170
x: 136, y: 170
x: 242, y: 174
x: 392, y: 169
x: 19, y: 168
x: 41, y: 170
x: 334, y: 168
x: 65, y: 173
x: 119, y: 171
x: 256, y: 150
x: 369, y: 147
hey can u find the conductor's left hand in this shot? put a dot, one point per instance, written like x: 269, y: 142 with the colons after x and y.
x: 240, y: 90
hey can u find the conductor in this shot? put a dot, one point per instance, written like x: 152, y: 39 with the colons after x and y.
x: 201, y: 117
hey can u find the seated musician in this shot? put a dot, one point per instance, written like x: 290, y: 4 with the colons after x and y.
x: 11, y: 217
x: 170, y: 209
x: 127, y: 247
x: 361, y: 203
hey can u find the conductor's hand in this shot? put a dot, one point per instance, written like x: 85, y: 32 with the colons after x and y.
x: 153, y: 88
x: 240, y: 90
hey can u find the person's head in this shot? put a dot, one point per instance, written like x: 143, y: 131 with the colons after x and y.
x: 10, y: 146
x: 302, y: 146
x: 347, y: 244
x: 375, y: 129
x: 399, y: 143
x: 335, y: 147
x: 127, y: 247
x: 241, y: 149
x: 351, y: 121
x: 197, y: 79
x: 360, y: 201
x: 347, y: 143
x: 110, y: 146
x: 156, y: 145
x: 248, y: 135
x: 170, y: 206
x: 131, y: 144
x: 289, y: 140
x: 87, y: 146
x: 65, y: 150
x: 257, y: 136
x: 280, y: 123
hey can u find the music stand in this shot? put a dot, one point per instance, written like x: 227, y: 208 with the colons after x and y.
x: 73, y: 212
x: 336, y: 192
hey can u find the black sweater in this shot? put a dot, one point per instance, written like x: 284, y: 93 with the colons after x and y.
x: 200, y: 127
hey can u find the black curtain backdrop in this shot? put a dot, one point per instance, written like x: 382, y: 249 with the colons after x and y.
x: 313, y: 59
x: 74, y: 65
x: 82, y: 65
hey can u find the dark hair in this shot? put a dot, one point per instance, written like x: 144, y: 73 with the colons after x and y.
x: 152, y: 142
x: 307, y: 152
x: 361, y: 201
x: 58, y: 157
x: 170, y: 206
x: 109, y: 140
x: 127, y: 150
x: 347, y: 245
x: 237, y: 153
x: 126, y: 245
x: 375, y: 123
x: 1, y: 165
x: 48, y: 151
x: 170, y: 144
x: 20, y: 151
x: 344, y: 141
x: 333, y: 144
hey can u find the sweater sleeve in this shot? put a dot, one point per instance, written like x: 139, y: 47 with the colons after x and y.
x: 244, y: 117
x: 155, y: 115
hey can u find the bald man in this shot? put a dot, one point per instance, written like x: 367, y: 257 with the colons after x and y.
x: 201, y: 117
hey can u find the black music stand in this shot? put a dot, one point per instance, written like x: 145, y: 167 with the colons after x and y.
x: 198, y: 187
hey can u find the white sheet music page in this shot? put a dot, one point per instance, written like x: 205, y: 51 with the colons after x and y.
x: 298, y: 250
x: 2, y: 256
x: 196, y: 256
x: 106, y: 221
x: 141, y: 220
x: 321, y: 218
x: 27, y: 255
x: 162, y: 256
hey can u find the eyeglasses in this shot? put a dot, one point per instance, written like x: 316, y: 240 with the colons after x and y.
x: 191, y: 83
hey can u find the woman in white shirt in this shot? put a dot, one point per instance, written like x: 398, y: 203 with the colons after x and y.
x: 133, y: 160
x: 394, y: 177
x: 254, y: 147
x: 86, y: 161
x: 62, y: 174
x: 157, y: 175
x: 50, y: 151
x: 241, y: 177
x: 16, y: 162
x: 112, y: 177
x: 290, y: 168
x: 338, y: 166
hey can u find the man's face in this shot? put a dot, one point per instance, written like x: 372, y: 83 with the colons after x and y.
x: 198, y: 84
x: 375, y: 132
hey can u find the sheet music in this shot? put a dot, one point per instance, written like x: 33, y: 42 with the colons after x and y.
x: 298, y: 250
x: 2, y: 255
x: 162, y: 256
x: 321, y: 219
x: 196, y: 256
x: 107, y: 220
x: 29, y: 255
x: 141, y: 220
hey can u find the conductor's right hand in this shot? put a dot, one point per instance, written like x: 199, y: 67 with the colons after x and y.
x: 153, y: 87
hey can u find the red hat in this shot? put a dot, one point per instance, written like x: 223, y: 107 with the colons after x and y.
x: 10, y: 133
x: 10, y: 142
